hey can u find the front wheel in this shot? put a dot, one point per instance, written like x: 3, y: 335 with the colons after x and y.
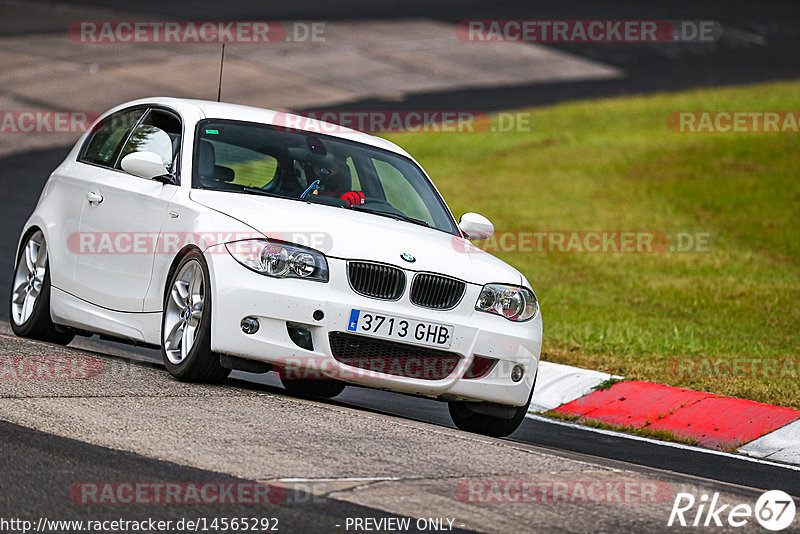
x: 30, y: 294
x: 489, y: 419
x: 186, y: 324
x: 466, y: 418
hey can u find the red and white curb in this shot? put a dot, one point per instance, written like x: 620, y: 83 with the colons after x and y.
x: 782, y: 445
x: 558, y: 384
x: 712, y: 421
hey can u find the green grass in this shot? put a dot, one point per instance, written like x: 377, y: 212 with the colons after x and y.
x: 613, y: 164
x: 606, y: 384
x: 663, y: 435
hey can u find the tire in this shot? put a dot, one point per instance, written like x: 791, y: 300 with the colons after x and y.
x: 186, y: 324
x: 467, y: 419
x: 29, y: 305
x: 313, y: 388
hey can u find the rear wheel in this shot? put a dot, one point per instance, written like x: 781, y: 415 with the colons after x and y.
x: 30, y: 294
x: 313, y: 388
x: 186, y: 324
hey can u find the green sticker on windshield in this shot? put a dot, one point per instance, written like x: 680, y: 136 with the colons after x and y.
x: 212, y: 132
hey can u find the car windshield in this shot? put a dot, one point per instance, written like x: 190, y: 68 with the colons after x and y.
x: 252, y: 158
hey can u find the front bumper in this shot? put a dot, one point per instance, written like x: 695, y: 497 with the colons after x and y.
x: 238, y: 292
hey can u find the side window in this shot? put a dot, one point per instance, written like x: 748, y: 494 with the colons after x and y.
x: 159, y: 132
x: 241, y: 166
x: 104, y: 143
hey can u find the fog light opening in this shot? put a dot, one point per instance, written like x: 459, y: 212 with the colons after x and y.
x: 517, y: 372
x: 480, y: 367
x: 301, y: 335
x: 250, y: 325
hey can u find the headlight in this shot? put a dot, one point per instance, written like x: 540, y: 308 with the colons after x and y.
x: 512, y: 302
x: 279, y: 260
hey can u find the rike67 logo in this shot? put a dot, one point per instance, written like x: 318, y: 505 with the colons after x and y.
x: 774, y: 510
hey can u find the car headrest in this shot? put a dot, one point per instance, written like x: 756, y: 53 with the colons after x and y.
x: 223, y: 174
x: 206, y: 160
x: 306, y: 156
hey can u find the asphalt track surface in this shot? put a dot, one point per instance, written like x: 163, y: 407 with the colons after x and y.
x: 23, y: 176
x: 35, y: 463
x: 335, y: 461
x: 760, y: 42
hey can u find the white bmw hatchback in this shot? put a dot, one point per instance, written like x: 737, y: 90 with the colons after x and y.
x: 231, y: 240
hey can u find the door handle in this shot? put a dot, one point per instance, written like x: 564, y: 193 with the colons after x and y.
x: 94, y: 198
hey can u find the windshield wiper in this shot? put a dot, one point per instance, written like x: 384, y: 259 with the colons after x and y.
x: 257, y: 191
x: 395, y: 216
x: 244, y: 189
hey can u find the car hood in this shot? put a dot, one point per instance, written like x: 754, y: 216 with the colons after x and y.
x: 352, y: 235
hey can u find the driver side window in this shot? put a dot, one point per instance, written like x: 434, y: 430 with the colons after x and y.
x: 159, y: 132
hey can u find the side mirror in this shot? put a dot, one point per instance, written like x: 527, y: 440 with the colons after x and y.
x: 476, y: 226
x: 147, y: 165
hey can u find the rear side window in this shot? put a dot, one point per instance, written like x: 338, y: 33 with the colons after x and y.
x: 107, y: 137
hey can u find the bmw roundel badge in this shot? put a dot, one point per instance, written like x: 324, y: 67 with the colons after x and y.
x: 408, y: 257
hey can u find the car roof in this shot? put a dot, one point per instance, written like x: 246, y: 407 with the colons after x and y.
x: 223, y: 110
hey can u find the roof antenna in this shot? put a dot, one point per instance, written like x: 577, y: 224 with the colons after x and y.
x: 221, y: 62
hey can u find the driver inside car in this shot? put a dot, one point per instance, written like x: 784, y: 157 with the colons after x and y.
x: 331, y: 179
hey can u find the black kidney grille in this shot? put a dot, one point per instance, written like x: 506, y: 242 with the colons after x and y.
x: 376, y: 280
x: 437, y: 292
x: 390, y: 357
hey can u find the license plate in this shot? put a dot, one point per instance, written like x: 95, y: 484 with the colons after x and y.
x: 400, y: 328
